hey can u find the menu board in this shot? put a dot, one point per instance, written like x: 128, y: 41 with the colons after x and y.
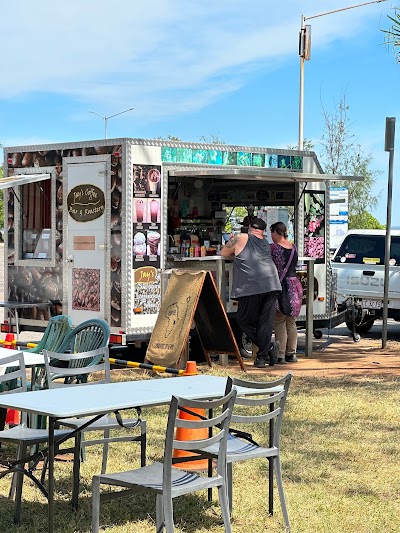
x: 146, y: 215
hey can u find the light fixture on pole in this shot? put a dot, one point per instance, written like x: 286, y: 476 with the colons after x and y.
x: 305, y: 55
x: 110, y: 116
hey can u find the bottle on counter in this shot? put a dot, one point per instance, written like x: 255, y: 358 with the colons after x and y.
x: 203, y: 251
x: 197, y: 250
x: 183, y: 249
x: 191, y: 251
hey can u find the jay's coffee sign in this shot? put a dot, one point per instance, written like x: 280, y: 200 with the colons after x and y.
x: 86, y: 203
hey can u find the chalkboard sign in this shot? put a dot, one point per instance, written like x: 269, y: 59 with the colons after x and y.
x: 191, y: 295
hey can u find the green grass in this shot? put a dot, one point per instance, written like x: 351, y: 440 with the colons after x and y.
x: 340, y: 458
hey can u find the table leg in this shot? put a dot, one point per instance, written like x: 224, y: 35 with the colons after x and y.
x: 16, y: 323
x: 51, y: 476
x: 271, y: 467
x: 76, y: 470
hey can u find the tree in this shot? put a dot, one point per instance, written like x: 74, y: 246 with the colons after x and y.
x: 213, y: 139
x: 365, y: 221
x: 342, y: 155
x: 308, y: 145
x: 392, y: 36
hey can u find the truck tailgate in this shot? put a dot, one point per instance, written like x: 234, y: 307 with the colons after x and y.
x: 363, y: 282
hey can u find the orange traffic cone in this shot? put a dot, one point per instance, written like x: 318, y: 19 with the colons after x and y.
x: 12, y: 417
x: 184, y: 434
x: 8, y: 343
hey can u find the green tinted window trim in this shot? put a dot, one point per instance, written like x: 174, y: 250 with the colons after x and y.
x: 173, y: 154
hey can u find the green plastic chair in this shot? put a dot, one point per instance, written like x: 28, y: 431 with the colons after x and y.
x: 57, y: 329
x: 90, y: 335
x: 86, y: 337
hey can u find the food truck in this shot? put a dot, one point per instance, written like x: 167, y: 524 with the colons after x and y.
x: 92, y: 226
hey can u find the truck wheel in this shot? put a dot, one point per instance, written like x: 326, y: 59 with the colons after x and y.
x: 243, y: 342
x: 363, y: 327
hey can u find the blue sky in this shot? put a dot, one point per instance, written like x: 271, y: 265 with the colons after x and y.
x: 191, y: 69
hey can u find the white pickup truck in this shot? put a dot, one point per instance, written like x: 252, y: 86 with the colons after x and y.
x: 359, y: 263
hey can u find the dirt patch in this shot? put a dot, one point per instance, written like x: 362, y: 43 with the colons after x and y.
x: 339, y: 357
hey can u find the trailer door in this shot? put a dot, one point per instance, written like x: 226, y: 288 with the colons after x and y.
x: 85, y: 209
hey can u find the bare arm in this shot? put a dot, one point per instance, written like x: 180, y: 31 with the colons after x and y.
x: 229, y: 250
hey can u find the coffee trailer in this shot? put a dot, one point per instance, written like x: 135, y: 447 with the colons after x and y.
x: 91, y: 226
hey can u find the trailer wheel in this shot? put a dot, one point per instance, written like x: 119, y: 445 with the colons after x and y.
x: 317, y: 333
x: 356, y: 337
x: 363, y: 327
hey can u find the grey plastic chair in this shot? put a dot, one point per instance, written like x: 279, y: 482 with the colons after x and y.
x: 168, y: 482
x: 21, y: 435
x: 106, y: 423
x: 264, y: 408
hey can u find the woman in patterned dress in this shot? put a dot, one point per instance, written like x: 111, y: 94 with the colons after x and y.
x: 284, y: 255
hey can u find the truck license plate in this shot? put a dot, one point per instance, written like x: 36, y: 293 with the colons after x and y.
x: 371, y: 304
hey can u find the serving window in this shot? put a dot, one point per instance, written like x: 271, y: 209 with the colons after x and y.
x: 36, y: 224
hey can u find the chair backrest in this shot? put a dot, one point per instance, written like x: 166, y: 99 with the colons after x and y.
x: 89, y: 335
x: 267, y: 405
x: 16, y: 379
x: 56, y: 331
x: 217, y: 424
x: 66, y: 371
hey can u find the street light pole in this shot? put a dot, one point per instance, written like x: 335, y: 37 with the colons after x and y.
x: 110, y: 116
x: 305, y: 54
x: 301, y: 93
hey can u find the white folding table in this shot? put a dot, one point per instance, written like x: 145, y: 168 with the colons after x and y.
x: 32, y: 360
x: 97, y: 400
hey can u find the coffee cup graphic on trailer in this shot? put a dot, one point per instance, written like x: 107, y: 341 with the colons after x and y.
x: 153, y: 239
x: 139, y: 244
x: 154, y: 211
x: 140, y: 211
x: 153, y: 178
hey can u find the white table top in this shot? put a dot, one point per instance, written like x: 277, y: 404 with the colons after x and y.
x: 84, y: 400
x: 24, y: 305
x: 31, y: 359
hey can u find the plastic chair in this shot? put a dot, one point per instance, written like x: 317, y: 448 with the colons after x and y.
x: 87, y: 336
x: 57, y: 329
x: 267, y: 409
x: 106, y: 423
x: 21, y: 435
x: 166, y: 481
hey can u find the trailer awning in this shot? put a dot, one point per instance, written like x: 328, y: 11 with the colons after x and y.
x: 261, y: 174
x: 22, y: 179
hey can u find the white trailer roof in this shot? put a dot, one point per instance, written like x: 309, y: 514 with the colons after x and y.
x: 22, y: 179
x: 261, y: 175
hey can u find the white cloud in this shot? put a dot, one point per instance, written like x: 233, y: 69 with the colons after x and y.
x: 159, y: 56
